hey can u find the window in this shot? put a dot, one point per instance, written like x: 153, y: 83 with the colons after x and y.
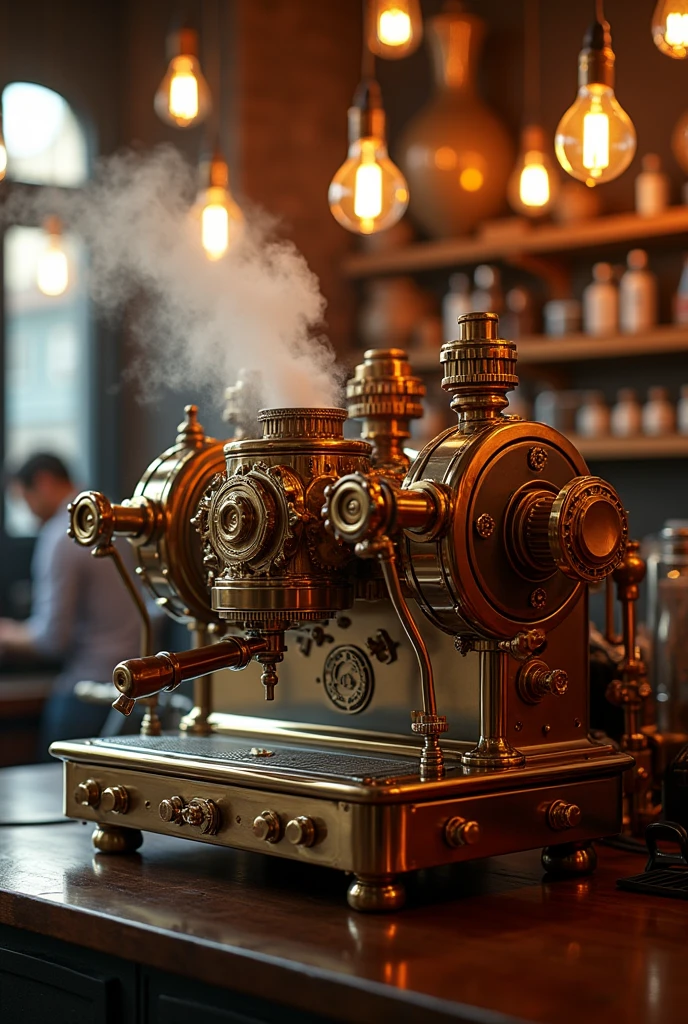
x: 47, y: 349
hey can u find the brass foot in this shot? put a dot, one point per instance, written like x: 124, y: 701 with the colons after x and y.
x: 493, y: 753
x: 376, y: 893
x: 196, y: 722
x: 115, y: 839
x: 569, y: 859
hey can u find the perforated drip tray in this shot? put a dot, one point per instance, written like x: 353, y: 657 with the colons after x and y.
x: 282, y: 759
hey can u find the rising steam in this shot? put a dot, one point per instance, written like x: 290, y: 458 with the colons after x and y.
x: 197, y: 323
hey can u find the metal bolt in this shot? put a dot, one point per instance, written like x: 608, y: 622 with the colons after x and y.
x: 537, y: 458
x: 484, y: 525
x: 546, y: 729
x: 518, y: 726
x: 538, y: 598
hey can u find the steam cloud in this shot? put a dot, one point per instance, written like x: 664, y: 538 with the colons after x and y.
x: 197, y: 322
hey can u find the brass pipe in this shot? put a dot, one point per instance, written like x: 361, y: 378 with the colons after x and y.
x: 144, y: 677
x: 94, y: 520
x: 493, y: 750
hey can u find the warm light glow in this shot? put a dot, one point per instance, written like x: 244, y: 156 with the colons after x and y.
x: 393, y: 27
x: 221, y: 221
x: 52, y: 273
x: 595, y: 141
x: 183, y: 90
x: 670, y: 28
x: 673, y: 574
x: 183, y: 96
x: 368, y: 193
x: 3, y: 158
x: 533, y: 186
x: 471, y: 179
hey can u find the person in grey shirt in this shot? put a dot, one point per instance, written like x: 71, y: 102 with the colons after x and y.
x: 81, y: 614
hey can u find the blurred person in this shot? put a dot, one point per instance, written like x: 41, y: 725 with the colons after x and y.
x: 81, y: 613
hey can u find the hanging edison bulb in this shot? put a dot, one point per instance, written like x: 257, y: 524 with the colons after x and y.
x: 533, y: 184
x: 595, y: 140
x: 52, y: 271
x: 183, y: 96
x: 218, y: 215
x: 3, y: 152
x: 394, y: 27
x: 670, y: 28
x: 368, y: 193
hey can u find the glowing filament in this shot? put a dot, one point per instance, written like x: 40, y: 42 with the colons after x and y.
x: 52, y: 275
x: 368, y: 188
x: 183, y: 90
x: 394, y: 27
x: 215, y: 230
x: 595, y: 142
x: 676, y: 33
x: 533, y: 186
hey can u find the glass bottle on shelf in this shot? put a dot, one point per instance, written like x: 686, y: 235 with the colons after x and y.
x: 627, y: 414
x: 667, y: 604
x: 455, y: 303
x: 601, y: 302
x: 592, y: 418
x: 637, y: 295
x: 681, y: 298
x: 659, y: 415
x: 651, y: 187
x: 682, y: 411
x: 487, y: 295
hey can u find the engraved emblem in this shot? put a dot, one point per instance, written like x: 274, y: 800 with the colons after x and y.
x: 348, y: 678
x: 537, y: 458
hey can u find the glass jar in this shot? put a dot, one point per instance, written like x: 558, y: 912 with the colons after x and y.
x: 667, y: 597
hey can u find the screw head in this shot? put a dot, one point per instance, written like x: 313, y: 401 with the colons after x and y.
x: 537, y: 458
x: 538, y: 598
x: 484, y: 525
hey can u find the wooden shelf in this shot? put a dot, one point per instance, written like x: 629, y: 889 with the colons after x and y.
x: 617, y: 230
x: 612, y: 448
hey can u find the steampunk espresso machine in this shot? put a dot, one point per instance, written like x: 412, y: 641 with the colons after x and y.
x: 461, y: 575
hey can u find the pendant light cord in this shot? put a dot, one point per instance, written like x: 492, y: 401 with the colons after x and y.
x: 599, y: 11
x: 531, y: 57
x: 367, y: 55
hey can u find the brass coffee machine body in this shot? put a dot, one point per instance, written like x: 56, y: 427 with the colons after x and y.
x: 473, y: 561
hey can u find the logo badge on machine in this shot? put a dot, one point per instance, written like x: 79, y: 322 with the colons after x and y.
x: 348, y: 678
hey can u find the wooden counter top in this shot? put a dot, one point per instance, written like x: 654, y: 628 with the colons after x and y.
x: 486, y: 935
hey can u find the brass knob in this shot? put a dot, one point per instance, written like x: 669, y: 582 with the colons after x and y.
x: 301, y: 831
x: 203, y: 815
x: 587, y: 529
x: 459, y: 832
x: 87, y: 793
x: 536, y: 679
x: 115, y: 799
x: 561, y: 815
x: 171, y: 809
x: 268, y: 827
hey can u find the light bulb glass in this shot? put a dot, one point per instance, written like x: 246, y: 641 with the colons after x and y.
x: 52, y: 272
x: 670, y: 28
x: 3, y: 158
x: 221, y: 221
x: 395, y: 27
x: 595, y: 140
x: 533, y: 184
x: 183, y: 96
x: 368, y: 193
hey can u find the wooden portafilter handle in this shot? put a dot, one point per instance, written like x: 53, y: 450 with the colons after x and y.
x: 144, y: 677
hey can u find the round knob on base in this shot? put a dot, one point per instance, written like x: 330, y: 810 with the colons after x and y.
x: 115, y: 799
x: 268, y: 827
x: 301, y: 831
x: 171, y: 809
x: 203, y: 815
x: 460, y: 832
x: 562, y: 815
x: 87, y: 793
x: 535, y: 679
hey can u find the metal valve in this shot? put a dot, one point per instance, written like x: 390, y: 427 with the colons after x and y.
x: 460, y: 832
x: 115, y: 799
x: 268, y: 827
x: 171, y: 810
x: 87, y: 793
x: 562, y: 815
x: 203, y: 815
x: 535, y: 679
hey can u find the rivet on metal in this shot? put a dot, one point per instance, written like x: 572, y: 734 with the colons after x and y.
x: 537, y: 458
x: 546, y: 729
x: 577, y: 723
x: 518, y: 726
x: 538, y: 598
x: 484, y: 525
